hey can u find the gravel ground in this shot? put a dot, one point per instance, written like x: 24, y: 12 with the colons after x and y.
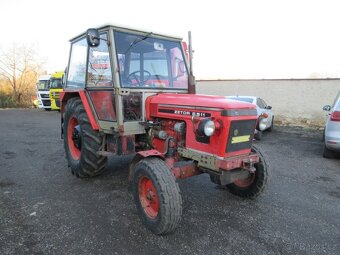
x: 46, y: 210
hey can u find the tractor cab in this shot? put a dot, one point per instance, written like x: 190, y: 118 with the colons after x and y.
x: 120, y: 68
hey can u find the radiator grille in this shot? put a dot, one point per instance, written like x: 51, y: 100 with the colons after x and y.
x: 241, y: 135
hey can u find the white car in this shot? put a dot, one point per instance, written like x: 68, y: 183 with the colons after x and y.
x: 264, y: 113
x: 332, y: 129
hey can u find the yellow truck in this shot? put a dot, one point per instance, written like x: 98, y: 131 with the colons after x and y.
x: 56, y: 86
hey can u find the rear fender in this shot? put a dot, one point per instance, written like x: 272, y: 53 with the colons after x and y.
x: 66, y: 95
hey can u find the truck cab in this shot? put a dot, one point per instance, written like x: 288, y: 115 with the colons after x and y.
x: 56, y: 86
x: 43, y: 87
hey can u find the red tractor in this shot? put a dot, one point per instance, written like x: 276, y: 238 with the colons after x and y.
x: 131, y: 92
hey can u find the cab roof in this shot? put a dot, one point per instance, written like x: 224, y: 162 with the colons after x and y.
x: 129, y: 29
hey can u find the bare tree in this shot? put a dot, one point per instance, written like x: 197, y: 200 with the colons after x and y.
x: 20, y: 66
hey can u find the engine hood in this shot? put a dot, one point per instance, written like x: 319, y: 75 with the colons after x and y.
x: 195, y: 100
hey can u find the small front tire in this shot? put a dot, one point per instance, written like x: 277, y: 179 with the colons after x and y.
x: 157, y: 196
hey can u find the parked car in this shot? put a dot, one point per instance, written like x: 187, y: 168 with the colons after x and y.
x: 332, y: 129
x: 264, y: 113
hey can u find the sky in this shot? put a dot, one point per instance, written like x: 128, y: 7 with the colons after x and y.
x: 232, y: 39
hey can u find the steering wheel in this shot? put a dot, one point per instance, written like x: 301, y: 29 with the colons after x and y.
x: 134, y: 76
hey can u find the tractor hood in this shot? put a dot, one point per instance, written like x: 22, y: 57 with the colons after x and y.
x: 194, y: 100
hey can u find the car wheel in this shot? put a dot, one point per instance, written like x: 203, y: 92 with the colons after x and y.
x: 327, y: 153
x: 271, y: 126
x: 258, y: 135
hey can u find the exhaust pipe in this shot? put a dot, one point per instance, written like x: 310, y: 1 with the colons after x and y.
x: 192, y: 81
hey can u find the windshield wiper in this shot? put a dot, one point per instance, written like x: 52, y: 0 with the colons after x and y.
x: 138, y: 40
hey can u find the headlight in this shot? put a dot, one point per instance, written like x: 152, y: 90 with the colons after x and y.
x: 206, y: 127
x: 262, y: 123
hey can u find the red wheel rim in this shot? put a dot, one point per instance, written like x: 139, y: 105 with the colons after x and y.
x: 245, y: 183
x: 148, y: 197
x: 75, y: 152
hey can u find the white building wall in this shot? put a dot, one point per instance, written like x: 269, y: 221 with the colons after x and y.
x: 295, y: 101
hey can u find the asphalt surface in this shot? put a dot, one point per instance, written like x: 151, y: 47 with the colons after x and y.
x: 44, y: 209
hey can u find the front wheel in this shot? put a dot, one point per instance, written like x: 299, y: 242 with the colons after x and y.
x: 258, y: 135
x: 256, y: 182
x: 157, y: 196
x: 271, y: 125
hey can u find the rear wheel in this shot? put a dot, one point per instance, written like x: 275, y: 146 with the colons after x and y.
x: 327, y: 153
x: 271, y: 125
x: 157, y: 196
x: 254, y: 185
x: 81, y: 142
x: 258, y: 135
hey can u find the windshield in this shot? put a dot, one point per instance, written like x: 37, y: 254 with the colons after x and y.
x: 242, y: 99
x: 150, y: 62
x: 55, y: 83
x: 43, y: 85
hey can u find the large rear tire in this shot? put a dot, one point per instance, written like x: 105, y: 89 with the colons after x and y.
x: 81, y: 142
x: 157, y: 196
x: 256, y: 182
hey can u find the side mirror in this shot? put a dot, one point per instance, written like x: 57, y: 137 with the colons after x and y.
x: 327, y: 108
x: 92, y: 36
x: 269, y: 107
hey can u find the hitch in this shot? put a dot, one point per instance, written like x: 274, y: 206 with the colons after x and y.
x: 248, y: 164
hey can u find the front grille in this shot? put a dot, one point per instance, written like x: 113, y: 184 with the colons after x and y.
x: 45, y: 95
x: 54, y: 95
x: 46, y: 102
x: 241, y: 134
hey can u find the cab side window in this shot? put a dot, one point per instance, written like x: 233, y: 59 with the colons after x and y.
x: 99, y: 66
x: 77, y: 67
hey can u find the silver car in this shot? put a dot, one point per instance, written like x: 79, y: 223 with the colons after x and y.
x: 264, y: 113
x: 332, y: 129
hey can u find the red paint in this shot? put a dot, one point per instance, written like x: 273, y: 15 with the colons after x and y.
x: 75, y: 152
x: 150, y: 153
x: 237, y: 162
x: 185, y: 49
x: 103, y: 102
x: 66, y: 95
x: 245, y: 182
x: 88, y: 110
x: 209, y: 105
x: 148, y: 197
x: 186, y: 171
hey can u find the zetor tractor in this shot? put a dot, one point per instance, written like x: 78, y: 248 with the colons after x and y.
x: 131, y: 92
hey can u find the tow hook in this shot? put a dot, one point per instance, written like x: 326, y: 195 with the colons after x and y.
x: 248, y: 164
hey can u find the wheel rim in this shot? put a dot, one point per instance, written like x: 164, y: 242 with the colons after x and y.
x: 245, y: 183
x: 148, y: 197
x: 73, y: 138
